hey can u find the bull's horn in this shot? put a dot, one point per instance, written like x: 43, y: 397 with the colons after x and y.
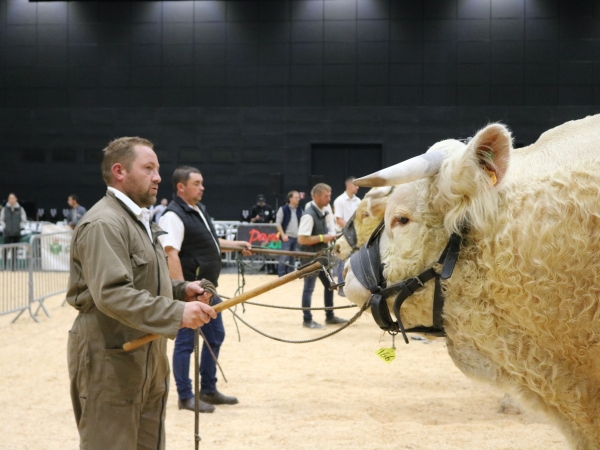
x: 412, y: 169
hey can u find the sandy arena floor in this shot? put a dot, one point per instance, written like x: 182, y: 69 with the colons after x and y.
x: 333, y: 394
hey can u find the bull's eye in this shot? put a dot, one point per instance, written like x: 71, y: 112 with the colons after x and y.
x: 365, y: 214
x: 400, y: 220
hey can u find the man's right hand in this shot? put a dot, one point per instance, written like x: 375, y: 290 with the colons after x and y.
x: 329, y: 237
x: 196, y: 314
x: 284, y: 237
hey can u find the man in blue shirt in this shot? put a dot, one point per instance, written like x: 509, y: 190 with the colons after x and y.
x: 77, y: 211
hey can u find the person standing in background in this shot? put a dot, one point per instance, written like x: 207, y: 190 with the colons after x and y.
x: 12, y: 220
x: 344, y: 207
x: 77, y: 211
x: 159, y: 209
x: 261, y: 212
x: 287, y: 221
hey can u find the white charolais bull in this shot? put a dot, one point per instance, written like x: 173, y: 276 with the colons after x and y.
x: 369, y: 214
x: 522, y: 308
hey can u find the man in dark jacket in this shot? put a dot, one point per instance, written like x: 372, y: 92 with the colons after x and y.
x: 261, y: 212
x: 194, y: 252
x: 287, y: 221
x: 12, y: 220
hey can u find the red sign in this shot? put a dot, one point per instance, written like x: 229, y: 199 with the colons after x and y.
x: 260, y: 235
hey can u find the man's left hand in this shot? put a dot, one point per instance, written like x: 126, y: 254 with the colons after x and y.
x: 248, y: 251
x: 194, y: 292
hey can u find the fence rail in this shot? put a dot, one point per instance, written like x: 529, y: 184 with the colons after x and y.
x: 15, y: 278
x: 226, y: 229
x: 31, y: 272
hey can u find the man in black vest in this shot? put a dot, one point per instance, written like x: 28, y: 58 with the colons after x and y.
x: 287, y: 221
x: 314, y: 235
x: 194, y: 253
x: 12, y: 220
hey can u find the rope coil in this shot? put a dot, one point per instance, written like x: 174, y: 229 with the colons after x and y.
x: 240, y: 289
x: 304, y: 341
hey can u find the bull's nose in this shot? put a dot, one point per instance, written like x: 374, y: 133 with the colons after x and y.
x: 336, y: 249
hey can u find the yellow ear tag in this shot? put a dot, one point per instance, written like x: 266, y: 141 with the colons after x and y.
x: 492, y: 175
x: 386, y: 354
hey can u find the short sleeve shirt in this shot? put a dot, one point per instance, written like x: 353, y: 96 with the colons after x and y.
x: 307, y: 223
x: 344, y: 207
x: 173, y: 225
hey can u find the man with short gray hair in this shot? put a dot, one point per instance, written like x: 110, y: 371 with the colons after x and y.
x: 314, y: 234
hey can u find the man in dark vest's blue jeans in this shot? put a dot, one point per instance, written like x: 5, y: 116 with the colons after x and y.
x: 194, y: 253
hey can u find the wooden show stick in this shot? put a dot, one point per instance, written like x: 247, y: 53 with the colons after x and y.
x: 270, y: 251
x: 316, y: 265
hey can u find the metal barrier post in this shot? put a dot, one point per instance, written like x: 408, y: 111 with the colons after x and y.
x: 226, y: 229
x: 50, y: 266
x: 15, y: 269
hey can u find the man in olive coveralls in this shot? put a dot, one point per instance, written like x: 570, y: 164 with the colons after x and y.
x: 119, y: 282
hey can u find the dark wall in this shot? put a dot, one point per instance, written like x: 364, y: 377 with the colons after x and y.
x: 243, y: 88
x: 235, y: 148
x: 299, y: 53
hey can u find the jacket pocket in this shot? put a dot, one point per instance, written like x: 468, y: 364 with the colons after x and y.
x: 139, y: 267
x: 123, y: 376
x: 138, y: 258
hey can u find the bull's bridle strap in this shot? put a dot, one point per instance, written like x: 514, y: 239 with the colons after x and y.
x: 448, y: 258
x: 349, y: 232
x: 366, y: 266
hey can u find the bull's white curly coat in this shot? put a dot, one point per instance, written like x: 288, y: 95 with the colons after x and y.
x: 369, y: 214
x: 523, y: 305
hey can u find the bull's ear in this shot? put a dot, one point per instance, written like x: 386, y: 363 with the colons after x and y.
x: 491, y: 146
x: 466, y: 182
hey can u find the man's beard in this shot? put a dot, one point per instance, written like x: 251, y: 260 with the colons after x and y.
x: 147, y: 199
x: 144, y: 199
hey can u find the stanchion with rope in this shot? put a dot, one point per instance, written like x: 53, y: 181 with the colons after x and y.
x: 327, y: 252
x: 197, y: 437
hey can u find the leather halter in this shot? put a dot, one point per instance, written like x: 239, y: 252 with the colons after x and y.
x: 366, y: 266
x: 349, y: 232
